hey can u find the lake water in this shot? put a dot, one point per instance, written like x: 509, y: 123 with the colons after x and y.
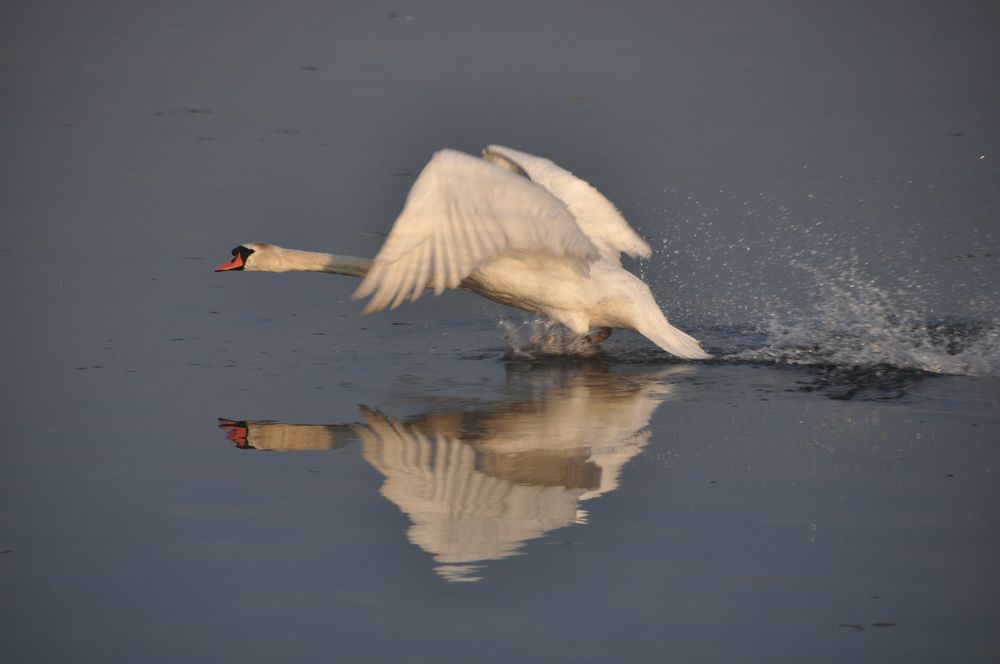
x: 238, y: 468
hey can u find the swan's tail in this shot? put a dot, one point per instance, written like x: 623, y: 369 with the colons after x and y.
x: 674, y: 341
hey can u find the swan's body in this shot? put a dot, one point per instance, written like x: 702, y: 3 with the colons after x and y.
x: 514, y: 228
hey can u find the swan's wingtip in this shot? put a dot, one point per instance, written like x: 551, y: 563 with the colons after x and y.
x: 678, y: 343
x: 691, y: 354
x: 371, y: 308
x: 694, y: 351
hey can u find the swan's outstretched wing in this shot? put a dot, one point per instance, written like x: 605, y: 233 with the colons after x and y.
x: 594, y: 213
x: 462, y: 211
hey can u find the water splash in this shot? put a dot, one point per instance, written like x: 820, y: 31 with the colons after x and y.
x: 542, y: 338
x: 854, y: 322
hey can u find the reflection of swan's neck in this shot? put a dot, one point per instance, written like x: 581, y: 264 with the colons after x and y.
x: 296, y: 260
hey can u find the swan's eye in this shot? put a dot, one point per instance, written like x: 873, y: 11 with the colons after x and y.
x: 242, y: 252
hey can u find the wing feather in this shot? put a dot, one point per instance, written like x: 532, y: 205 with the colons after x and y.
x: 474, y: 242
x: 406, y: 285
x: 423, y: 270
x: 595, y: 214
x: 439, y: 263
x: 453, y: 257
x: 386, y: 290
x: 463, y: 252
x: 367, y: 286
x: 461, y: 212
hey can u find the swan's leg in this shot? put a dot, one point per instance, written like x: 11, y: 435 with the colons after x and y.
x: 591, y: 343
x: 600, y: 335
x: 579, y: 324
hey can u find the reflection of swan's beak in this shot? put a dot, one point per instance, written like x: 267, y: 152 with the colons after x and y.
x: 268, y: 435
x: 237, y: 432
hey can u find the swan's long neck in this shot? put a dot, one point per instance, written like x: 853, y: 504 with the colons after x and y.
x: 295, y: 260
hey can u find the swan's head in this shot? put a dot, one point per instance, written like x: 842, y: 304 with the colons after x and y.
x: 254, y: 257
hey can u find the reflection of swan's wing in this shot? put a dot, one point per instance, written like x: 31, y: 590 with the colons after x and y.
x: 460, y: 515
x: 460, y: 212
x: 594, y: 213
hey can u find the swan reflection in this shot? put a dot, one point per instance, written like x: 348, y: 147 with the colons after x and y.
x: 477, y: 483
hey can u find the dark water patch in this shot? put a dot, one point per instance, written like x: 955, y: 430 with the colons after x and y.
x: 476, y: 357
x: 187, y: 111
x: 875, y: 383
x: 857, y: 627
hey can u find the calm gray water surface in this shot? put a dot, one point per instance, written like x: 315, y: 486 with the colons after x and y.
x: 819, y: 184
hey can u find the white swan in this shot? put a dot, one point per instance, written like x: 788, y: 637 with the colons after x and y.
x: 514, y: 228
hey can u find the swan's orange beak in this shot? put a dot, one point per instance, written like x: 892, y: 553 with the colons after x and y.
x: 235, y: 264
x: 239, y: 262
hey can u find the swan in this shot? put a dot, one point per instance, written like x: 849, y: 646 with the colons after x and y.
x: 512, y: 227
